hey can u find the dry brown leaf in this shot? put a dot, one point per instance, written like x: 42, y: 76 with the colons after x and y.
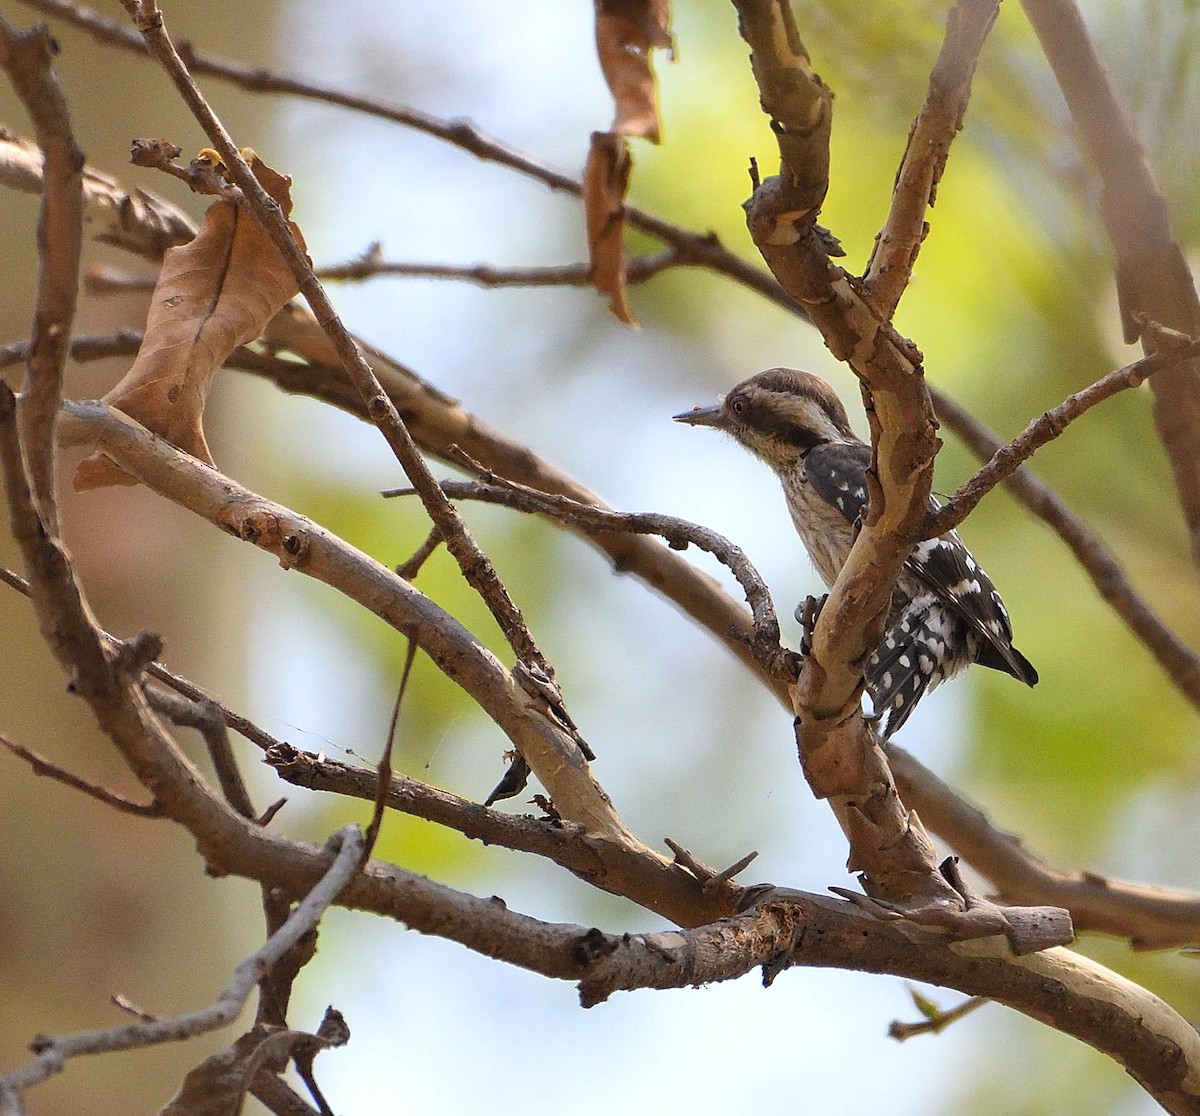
x: 215, y: 293
x: 605, y: 180
x: 626, y: 32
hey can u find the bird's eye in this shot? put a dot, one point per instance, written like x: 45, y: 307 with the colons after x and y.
x: 738, y: 405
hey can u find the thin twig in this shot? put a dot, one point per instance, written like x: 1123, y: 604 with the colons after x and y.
x: 383, y: 771
x: 83, y: 347
x: 936, y: 1020
x: 53, y: 1053
x: 103, y: 279
x: 409, y: 568
x: 43, y: 766
x: 1008, y: 459
x: 372, y: 264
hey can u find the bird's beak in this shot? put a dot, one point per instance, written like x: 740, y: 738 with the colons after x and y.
x: 703, y: 416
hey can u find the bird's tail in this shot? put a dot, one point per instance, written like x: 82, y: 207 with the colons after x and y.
x: 909, y: 661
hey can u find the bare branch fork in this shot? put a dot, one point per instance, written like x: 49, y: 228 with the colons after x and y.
x: 839, y: 754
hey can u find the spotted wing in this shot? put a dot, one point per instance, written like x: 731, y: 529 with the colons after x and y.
x: 837, y: 472
x: 950, y: 570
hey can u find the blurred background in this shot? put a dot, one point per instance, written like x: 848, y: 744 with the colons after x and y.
x: 1012, y: 304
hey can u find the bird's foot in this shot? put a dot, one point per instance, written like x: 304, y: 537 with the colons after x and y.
x: 807, y: 613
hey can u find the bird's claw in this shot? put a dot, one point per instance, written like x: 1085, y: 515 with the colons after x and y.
x: 807, y: 613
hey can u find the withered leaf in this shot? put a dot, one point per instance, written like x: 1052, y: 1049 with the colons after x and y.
x: 626, y: 31
x: 213, y: 294
x: 605, y: 180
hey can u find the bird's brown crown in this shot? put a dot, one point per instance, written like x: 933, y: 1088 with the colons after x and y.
x: 781, y: 414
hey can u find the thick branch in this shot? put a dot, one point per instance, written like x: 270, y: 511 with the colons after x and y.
x: 840, y: 754
x: 793, y: 95
x: 26, y: 57
x: 1154, y: 282
x: 1058, y: 987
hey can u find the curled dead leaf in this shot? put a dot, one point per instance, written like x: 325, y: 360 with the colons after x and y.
x: 626, y: 32
x: 213, y: 294
x: 605, y: 180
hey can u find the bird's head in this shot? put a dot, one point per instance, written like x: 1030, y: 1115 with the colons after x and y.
x: 778, y: 415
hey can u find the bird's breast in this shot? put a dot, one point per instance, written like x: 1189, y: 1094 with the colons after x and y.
x: 825, y: 531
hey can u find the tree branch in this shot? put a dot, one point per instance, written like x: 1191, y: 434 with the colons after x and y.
x: 138, y: 221
x: 300, y: 544
x: 42, y: 766
x: 438, y: 423
x: 1148, y: 917
x: 940, y: 119
x: 588, y: 519
x: 1180, y: 664
x: 26, y: 57
x: 1008, y: 459
x: 372, y: 264
x: 1154, y: 282
x: 841, y: 756
x: 1157, y: 1047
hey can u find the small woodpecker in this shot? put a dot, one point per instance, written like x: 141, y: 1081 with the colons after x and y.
x: 945, y: 614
